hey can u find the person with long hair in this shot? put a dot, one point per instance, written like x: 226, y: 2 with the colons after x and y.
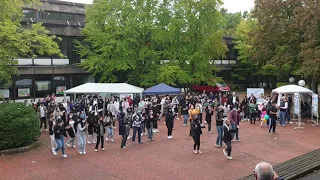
x: 227, y: 137
x: 100, y: 127
x: 71, y: 131
x: 59, y: 134
x: 219, y: 125
x: 196, y: 133
x: 252, y: 110
x: 81, y: 136
x: 169, y: 122
x: 122, y: 129
x: 109, y: 123
x: 208, y: 118
x: 52, y: 123
x: 91, y: 129
x: 150, y: 119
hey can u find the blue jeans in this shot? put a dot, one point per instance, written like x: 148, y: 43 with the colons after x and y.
x: 135, y: 130
x: 283, y: 115
x: 110, y: 132
x: 288, y: 116
x: 60, y: 144
x: 150, y: 132
x: 234, y: 126
x: 220, y: 134
x: 185, y: 118
x: 81, y: 138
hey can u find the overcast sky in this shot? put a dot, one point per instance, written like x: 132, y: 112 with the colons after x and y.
x: 231, y: 5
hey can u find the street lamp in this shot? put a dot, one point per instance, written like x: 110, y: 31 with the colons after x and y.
x: 302, y: 83
x: 291, y: 80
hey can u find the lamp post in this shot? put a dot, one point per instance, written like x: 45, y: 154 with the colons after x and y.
x: 291, y: 80
x: 302, y: 83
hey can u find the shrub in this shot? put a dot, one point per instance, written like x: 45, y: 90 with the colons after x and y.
x: 19, y: 125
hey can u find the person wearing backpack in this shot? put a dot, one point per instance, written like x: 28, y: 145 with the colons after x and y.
x: 136, y: 123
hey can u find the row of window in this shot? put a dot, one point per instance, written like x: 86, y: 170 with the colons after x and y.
x: 53, y: 15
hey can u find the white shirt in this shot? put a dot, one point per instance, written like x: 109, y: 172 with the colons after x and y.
x: 234, y: 98
x: 116, y: 105
x: 42, y: 112
x: 163, y: 101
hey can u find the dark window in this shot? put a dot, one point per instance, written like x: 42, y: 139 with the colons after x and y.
x: 64, y: 47
x: 29, y: 13
x: 79, y: 17
x: 66, y: 17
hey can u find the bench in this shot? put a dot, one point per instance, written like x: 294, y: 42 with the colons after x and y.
x: 296, y: 167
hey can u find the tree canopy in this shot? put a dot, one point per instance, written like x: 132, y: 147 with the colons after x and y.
x: 151, y: 41
x: 16, y: 41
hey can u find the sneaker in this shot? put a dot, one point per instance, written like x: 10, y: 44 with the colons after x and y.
x: 102, y: 149
x: 112, y: 140
x: 238, y: 140
x: 89, y: 142
x: 68, y: 144
x: 225, y: 152
x: 194, y: 151
x: 154, y: 130
x: 157, y: 130
x: 107, y: 139
x: 232, y: 140
x: 269, y: 134
x: 168, y: 137
x: 123, y: 147
x: 46, y: 130
x: 199, y: 152
x: 229, y: 157
x: 184, y: 125
x: 132, y: 142
x: 171, y: 137
x: 141, y: 134
x: 96, y: 150
x: 84, y: 152
x: 219, y: 146
x: 145, y: 134
x: 54, y: 152
x: 80, y: 153
x: 149, y: 139
x: 205, y: 122
x: 140, y: 142
x: 210, y: 132
x: 94, y: 142
x: 64, y: 156
x: 74, y: 146
x: 128, y: 137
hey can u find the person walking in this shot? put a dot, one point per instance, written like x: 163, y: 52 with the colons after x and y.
x: 196, y: 133
x: 52, y: 124
x: 59, y: 134
x: 208, y: 119
x: 100, y: 127
x: 234, y: 122
x: 71, y: 131
x: 227, y: 137
x: 169, y: 122
x: 122, y: 129
x: 81, y: 135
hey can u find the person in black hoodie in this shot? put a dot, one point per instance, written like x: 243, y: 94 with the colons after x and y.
x: 219, y: 125
x: 91, y: 128
x: 59, y: 134
x: 196, y: 132
x: 169, y: 122
x: 227, y: 137
x: 100, y: 127
x: 151, y: 118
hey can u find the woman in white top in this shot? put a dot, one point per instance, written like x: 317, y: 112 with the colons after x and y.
x: 81, y: 136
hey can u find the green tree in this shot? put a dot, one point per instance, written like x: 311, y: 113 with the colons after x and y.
x: 151, y: 41
x: 277, y: 38
x: 16, y: 41
x: 231, y: 20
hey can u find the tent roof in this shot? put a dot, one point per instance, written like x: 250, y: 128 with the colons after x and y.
x: 92, y: 88
x: 291, y: 89
x: 162, y: 89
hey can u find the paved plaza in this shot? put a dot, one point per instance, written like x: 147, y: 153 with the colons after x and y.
x: 163, y: 158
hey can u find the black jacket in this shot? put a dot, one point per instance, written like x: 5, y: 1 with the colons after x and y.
x: 195, y: 129
x: 59, y: 131
x: 98, y: 126
x: 227, y: 133
x: 169, y: 120
x: 219, y: 117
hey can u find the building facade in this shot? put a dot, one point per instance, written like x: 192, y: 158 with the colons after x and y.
x: 46, y: 75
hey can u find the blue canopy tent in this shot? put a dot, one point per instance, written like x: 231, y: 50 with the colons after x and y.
x: 161, y: 89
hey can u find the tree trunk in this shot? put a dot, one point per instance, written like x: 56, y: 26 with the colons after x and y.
x: 309, y: 83
x: 314, y: 85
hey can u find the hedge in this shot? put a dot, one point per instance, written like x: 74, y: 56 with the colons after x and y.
x: 19, y: 125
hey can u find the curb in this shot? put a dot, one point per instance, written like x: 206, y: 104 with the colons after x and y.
x: 21, y: 149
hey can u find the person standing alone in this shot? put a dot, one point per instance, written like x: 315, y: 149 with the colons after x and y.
x: 42, y: 110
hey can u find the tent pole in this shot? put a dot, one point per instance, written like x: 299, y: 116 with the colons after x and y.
x: 74, y: 97
x: 299, y: 122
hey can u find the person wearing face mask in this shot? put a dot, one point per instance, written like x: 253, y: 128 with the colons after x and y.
x: 81, y: 136
x: 59, y: 134
x: 196, y: 133
x: 169, y: 122
x: 91, y: 120
x: 71, y: 131
x: 219, y: 125
x: 137, y: 121
x: 100, y: 126
x: 122, y: 129
x: 52, y: 123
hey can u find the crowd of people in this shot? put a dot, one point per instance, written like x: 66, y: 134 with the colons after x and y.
x: 92, y: 119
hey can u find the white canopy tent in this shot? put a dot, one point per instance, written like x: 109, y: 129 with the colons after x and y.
x: 112, y: 88
x: 297, y: 91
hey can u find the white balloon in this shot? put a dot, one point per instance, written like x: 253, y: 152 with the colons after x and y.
x: 291, y: 80
x: 302, y: 83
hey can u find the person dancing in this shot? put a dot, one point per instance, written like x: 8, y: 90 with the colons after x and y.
x: 122, y: 129
x: 196, y: 132
x: 227, y: 137
x: 169, y: 122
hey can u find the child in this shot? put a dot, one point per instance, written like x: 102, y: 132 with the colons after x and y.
x: 263, y: 114
x: 109, y: 122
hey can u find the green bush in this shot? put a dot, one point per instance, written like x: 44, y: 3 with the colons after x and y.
x: 19, y: 125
